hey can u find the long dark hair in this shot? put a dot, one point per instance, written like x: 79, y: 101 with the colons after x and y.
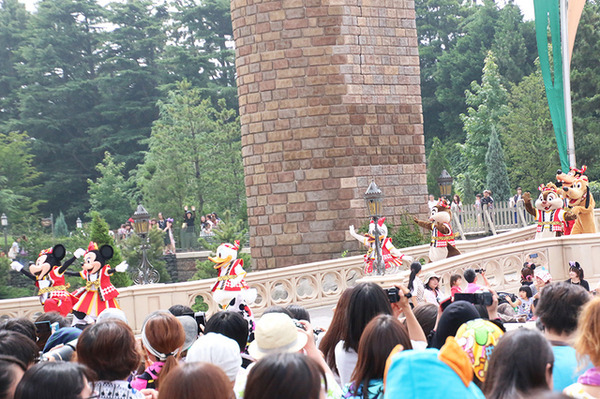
x: 335, y: 333
x: 285, y: 375
x: 518, y: 365
x: 415, y: 268
x: 49, y: 380
x: 367, y: 301
x: 381, y: 335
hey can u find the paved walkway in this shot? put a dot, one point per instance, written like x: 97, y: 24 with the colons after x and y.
x: 321, y: 317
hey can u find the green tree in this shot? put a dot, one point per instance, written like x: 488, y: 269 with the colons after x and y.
x: 99, y: 234
x: 13, y: 25
x: 487, y: 104
x: 529, y: 143
x: 19, y: 177
x: 201, y: 50
x: 109, y: 194
x: 497, y: 177
x: 194, y: 156
x: 60, y: 226
x: 436, y: 162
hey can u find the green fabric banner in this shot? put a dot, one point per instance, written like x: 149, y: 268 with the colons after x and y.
x: 547, y: 13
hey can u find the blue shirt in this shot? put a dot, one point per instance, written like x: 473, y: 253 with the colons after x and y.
x: 565, y: 370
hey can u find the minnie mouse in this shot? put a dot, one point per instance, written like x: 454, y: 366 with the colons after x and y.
x: 48, y: 275
x: 98, y: 293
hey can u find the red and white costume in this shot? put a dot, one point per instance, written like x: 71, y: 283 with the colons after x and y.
x: 53, y: 292
x: 438, y: 248
x: 230, y: 283
x: 550, y: 222
x: 392, y: 257
x: 98, y: 293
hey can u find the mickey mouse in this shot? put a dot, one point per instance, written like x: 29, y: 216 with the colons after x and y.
x: 98, y: 293
x: 48, y: 275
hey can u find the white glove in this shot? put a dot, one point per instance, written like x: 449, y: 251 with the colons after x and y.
x: 121, y: 267
x: 16, y: 266
x: 79, y: 252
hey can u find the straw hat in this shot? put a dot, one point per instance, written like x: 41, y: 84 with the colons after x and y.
x: 276, y: 333
x: 429, y: 276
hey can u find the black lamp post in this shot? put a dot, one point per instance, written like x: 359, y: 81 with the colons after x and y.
x: 445, y: 183
x: 146, y: 274
x: 373, y: 199
x: 4, y: 221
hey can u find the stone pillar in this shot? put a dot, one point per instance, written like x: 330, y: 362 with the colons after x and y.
x: 329, y: 98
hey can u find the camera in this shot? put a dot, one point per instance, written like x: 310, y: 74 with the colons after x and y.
x: 480, y: 271
x: 64, y: 353
x: 393, y: 294
x: 479, y: 298
x: 299, y: 325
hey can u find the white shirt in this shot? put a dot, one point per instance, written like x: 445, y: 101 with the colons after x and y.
x: 345, y: 361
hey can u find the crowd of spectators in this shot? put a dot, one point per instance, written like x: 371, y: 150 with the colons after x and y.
x: 381, y: 343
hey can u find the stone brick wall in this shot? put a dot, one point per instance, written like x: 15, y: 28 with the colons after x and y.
x: 329, y: 98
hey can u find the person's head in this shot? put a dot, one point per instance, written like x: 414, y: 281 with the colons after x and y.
x: 230, y: 324
x: 456, y: 198
x: 455, y: 280
x: 519, y: 190
x: 527, y: 275
x: 525, y: 292
x: 521, y: 362
x: 162, y: 338
x: 202, y: 218
x: 559, y: 306
x: 218, y: 350
x: 276, y: 333
x: 181, y: 310
x: 478, y: 196
x: 452, y: 318
x: 153, y: 222
x: 20, y: 325
x: 470, y: 275
x: 431, y: 197
x: 426, y: 315
x: 285, y: 375
x: 98, y: 344
x: 18, y: 345
x: 486, y: 193
x: 431, y: 281
x: 299, y: 312
x: 49, y: 380
x: 188, y: 215
x: 588, y: 331
x: 11, y: 372
x: 575, y: 271
x: 196, y: 381
x: 415, y: 269
x: 278, y: 309
x: 381, y: 335
x: 366, y: 301
x: 160, y: 216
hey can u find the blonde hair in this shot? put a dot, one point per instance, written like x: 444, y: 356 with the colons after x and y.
x: 587, y: 341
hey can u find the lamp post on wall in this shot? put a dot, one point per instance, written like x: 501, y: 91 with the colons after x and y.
x: 445, y: 183
x: 79, y: 224
x: 4, y: 222
x: 146, y: 273
x: 373, y: 199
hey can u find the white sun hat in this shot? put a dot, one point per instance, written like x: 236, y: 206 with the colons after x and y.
x: 276, y: 333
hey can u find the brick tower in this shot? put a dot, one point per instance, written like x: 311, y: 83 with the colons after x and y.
x: 329, y: 98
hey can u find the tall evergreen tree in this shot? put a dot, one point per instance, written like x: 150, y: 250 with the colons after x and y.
x: 436, y: 163
x: 497, y: 177
x: 487, y: 103
x: 60, y: 226
x: 109, y: 193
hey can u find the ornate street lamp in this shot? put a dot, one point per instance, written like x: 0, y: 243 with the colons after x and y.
x: 4, y: 222
x: 146, y: 273
x: 445, y: 183
x: 79, y: 223
x: 373, y: 199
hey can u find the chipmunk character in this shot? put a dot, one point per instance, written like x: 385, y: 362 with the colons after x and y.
x: 230, y: 282
x: 98, y: 293
x: 442, y: 238
x: 392, y: 257
x: 579, y: 199
x: 549, y: 213
x: 49, y: 277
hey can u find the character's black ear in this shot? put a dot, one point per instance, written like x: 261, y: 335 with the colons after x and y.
x: 59, y: 252
x: 587, y: 198
x: 106, y: 251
